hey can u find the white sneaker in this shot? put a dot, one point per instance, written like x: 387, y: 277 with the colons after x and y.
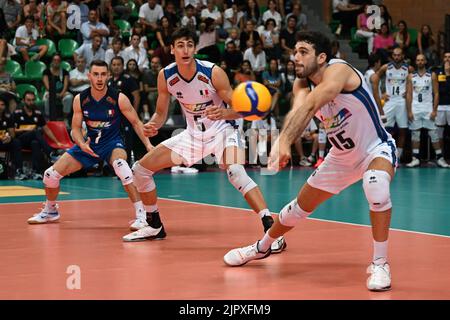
x: 188, y: 170
x: 240, y: 256
x: 176, y: 169
x: 146, y: 233
x: 442, y: 163
x: 278, y: 245
x: 380, y: 277
x: 138, y: 224
x: 44, y: 217
x: 305, y: 163
x: 414, y: 163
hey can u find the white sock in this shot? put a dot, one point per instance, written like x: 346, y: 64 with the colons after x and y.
x: 321, y: 153
x: 438, y: 153
x: 415, y: 152
x: 50, y: 206
x: 380, y: 252
x: 139, y: 207
x: 264, y: 213
x: 151, y: 208
x: 265, y: 243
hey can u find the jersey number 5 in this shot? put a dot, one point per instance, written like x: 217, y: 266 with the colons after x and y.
x: 346, y: 143
x: 200, y: 125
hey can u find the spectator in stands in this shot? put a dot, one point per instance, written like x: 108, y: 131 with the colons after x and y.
x: 134, y: 51
x: 25, y: 41
x: 248, y: 36
x: 28, y: 124
x: 164, y: 37
x: 257, y: 58
x: 12, y: 13
x: 233, y: 17
x: 426, y: 44
x: 272, y: 13
x: 271, y: 40
x: 212, y: 12
x: 273, y: 81
x: 245, y: 73
x: 56, y: 18
x: 346, y: 13
x: 139, y: 29
x: 197, y: 4
x: 122, y: 9
x: 84, y: 10
x: 336, y: 53
x: 251, y: 12
x: 170, y: 12
x: 289, y: 78
x: 207, y: 41
x: 61, y: 79
x: 224, y: 66
x: 287, y: 38
x: 383, y: 43
x: 401, y: 37
x: 363, y: 30
x: 385, y: 16
x: 188, y: 19
x: 78, y: 76
x: 115, y: 50
x: 91, y: 51
x: 106, y: 13
x: 133, y: 70
x: 232, y: 56
x: 94, y: 27
x: 233, y: 35
x: 150, y: 80
x: 7, y: 88
x: 32, y: 8
x: 310, y: 134
x: 302, y: 21
x: 149, y: 15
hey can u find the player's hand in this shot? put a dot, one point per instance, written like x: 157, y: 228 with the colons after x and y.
x: 216, y: 113
x: 86, y: 148
x: 150, y: 129
x: 385, y: 97
x: 279, y: 155
x: 410, y: 116
x: 433, y: 115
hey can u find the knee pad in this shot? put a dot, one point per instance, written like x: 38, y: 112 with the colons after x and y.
x: 239, y: 178
x: 143, y: 178
x: 376, y: 187
x: 440, y: 132
x: 415, y: 135
x: 322, y: 136
x: 51, y: 178
x: 433, y: 135
x: 291, y: 214
x: 123, y: 171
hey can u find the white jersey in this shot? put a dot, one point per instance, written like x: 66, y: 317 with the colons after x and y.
x: 396, y: 81
x: 195, y: 96
x: 422, y: 92
x: 367, y: 76
x: 352, y: 123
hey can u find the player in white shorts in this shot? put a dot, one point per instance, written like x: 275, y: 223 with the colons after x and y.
x: 422, y: 109
x: 443, y: 113
x: 394, y: 107
x: 203, y: 91
x: 261, y: 131
x: 334, y: 92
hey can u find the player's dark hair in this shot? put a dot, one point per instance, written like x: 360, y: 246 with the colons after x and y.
x: 118, y: 58
x: 27, y: 93
x: 318, y: 40
x: 373, y: 59
x: 98, y: 63
x: 184, y: 32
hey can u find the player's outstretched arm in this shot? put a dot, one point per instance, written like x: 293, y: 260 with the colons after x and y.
x: 128, y: 111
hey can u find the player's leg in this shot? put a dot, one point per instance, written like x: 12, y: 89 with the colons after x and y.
x: 436, y: 133
x: 401, y: 118
x: 376, y: 182
x: 65, y: 165
x: 118, y: 161
x: 415, y: 127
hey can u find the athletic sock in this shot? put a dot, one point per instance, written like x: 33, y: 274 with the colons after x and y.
x: 265, y: 243
x: 50, y: 206
x: 380, y: 252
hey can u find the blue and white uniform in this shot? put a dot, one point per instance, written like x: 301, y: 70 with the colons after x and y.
x: 422, y: 101
x: 354, y: 128
x: 395, y: 107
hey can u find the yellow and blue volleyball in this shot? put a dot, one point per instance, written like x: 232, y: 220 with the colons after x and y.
x: 252, y: 100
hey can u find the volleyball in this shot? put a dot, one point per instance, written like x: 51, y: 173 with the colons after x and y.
x: 252, y: 100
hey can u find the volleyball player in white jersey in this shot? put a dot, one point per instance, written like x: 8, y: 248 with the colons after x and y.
x: 336, y: 93
x: 203, y: 91
x: 374, y: 61
x: 422, y: 99
x: 394, y: 108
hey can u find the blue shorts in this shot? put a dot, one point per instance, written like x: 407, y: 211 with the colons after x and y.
x: 103, y: 151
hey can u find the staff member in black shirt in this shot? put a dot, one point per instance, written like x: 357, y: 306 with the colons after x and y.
x: 443, y: 113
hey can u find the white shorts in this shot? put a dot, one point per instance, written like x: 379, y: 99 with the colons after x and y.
x: 443, y: 118
x: 266, y: 124
x: 422, y: 120
x: 333, y: 177
x: 193, y: 149
x: 395, y: 111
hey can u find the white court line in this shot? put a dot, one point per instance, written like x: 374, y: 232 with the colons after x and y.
x: 245, y: 209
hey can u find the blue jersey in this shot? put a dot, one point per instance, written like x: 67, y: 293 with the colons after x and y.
x: 103, y: 117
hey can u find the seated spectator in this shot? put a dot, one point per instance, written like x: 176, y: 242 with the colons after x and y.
x: 12, y: 13
x: 207, y: 41
x: 94, y: 27
x: 363, y: 30
x: 7, y: 89
x: 55, y: 11
x: 383, y: 43
x: 132, y: 69
x: 122, y: 9
x: 150, y: 83
x: 273, y: 81
x: 287, y: 38
x: 248, y: 36
x: 427, y: 44
x: 164, y: 37
x: 188, y: 20
x: 170, y: 12
x: 245, y: 73
x: 212, y: 12
x: 149, y: 15
x: 61, y: 79
x: 233, y: 35
x: 232, y: 56
x: 224, y: 66
x: 134, y: 51
x: 346, y: 13
x: 385, y: 16
x: 335, y: 50
x: 257, y: 58
x: 91, y: 51
x: 233, y: 17
x: 289, y: 78
x: 8, y: 142
x: 78, y: 77
x: 401, y: 37
x: 251, y: 12
x: 28, y: 124
x: 115, y: 50
x: 272, y: 13
x: 32, y: 8
x: 25, y: 41
x: 271, y: 39
x: 302, y: 21
x: 139, y: 29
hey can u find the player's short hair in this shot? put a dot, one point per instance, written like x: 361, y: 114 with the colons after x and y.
x: 318, y: 40
x: 118, y: 58
x: 98, y: 63
x: 373, y: 59
x: 27, y: 93
x: 184, y: 32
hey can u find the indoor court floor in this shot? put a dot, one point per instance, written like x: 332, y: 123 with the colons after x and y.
x: 204, y: 217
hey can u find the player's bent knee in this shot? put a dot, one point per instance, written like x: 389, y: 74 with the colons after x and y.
x: 51, y: 178
x: 292, y: 213
x: 434, y: 136
x: 240, y: 179
x: 415, y: 135
x: 376, y: 187
x: 143, y: 178
x: 123, y: 171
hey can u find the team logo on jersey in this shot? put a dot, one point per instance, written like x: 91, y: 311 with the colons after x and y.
x: 196, y: 107
x: 111, y: 113
x: 204, y: 93
x: 174, y: 81
x: 337, y: 120
x: 179, y: 95
x: 86, y: 113
x: 98, y: 124
x: 203, y: 79
x: 111, y: 100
